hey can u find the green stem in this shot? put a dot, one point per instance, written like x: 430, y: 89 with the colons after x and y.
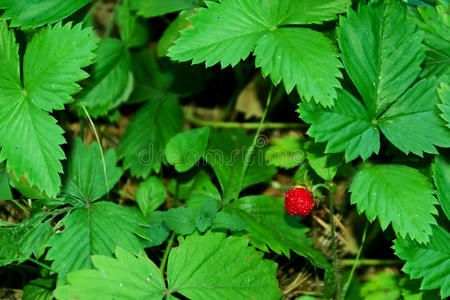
x: 20, y: 206
x: 247, y: 125
x: 167, y: 251
x: 41, y: 264
x: 355, y: 263
x: 111, y: 23
x: 370, y: 262
x: 249, y: 153
x: 334, y: 245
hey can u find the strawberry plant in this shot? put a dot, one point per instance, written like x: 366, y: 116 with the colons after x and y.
x: 229, y: 149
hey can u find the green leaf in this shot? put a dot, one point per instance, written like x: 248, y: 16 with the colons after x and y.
x: 133, y: 32
x: 146, y: 136
x: 285, y: 153
x: 397, y: 194
x: 324, y: 165
x: 384, y: 285
x: 444, y: 95
x: 202, y: 190
x: 227, y: 32
x: 412, y: 123
x: 430, y: 261
x: 309, y: 11
x: 39, y: 289
x: 227, y: 221
x: 156, y: 229
x: 207, y: 213
x: 172, y: 32
x: 378, y: 58
x: 181, y: 220
x: 346, y: 127
x: 126, y: 276
x: 435, y: 26
x: 281, y: 54
x: 185, y: 149
x: 112, y: 78
x: 153, y: 8
x: 225, y: 155
x: 29, y: 136
x: 97, y: 228
x: 220, y: 267
x: 270, y: 226
x: 85, y: 171
x: 441, y: 178
x: 150, y: 195
x: 35, y: 13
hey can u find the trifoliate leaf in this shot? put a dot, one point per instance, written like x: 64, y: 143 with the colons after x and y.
x: 441, y: 178
x: 286, y: 153
x: 227, y: 221
x: 270, y: 226
x: 227, y: 32
x: 97, y: 228
x: 143, y: 143
x: 85, y: 172
x: 29, y: 137
x: 153, y: 8
x: 181, y: 220
x: 185, y: 149
x: 220, y: 267
x: 412, y: 123
x: 112, y: 78
x: 430, y: 261
x: 346, y: 127
x: 378, y: 58
x: 38, y: 12
x: 397, y: 194
x: 444, y: 106
x: 150, y: 195
x: 225, y: 154
x: 126, y: 276
x: 433, y: 22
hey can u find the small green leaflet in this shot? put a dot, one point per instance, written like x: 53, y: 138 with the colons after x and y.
x: 286, y: 153
x: 227, y: 32
x: 30, y: 139
x: 430, y: 262
x: 383, y: 65
x: 38, y: 12
x: 142, y: 146
x: 397, y: 194
x: 211, y: 266
x: 185, y: 149
x: 112, y: 78
x: 150, y: 194
x: 85, y: 174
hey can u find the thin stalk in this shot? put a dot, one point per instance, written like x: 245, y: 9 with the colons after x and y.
x: 166, y: 252
x: 41, y: 264
x: 334, y: 245
x: 111, y: 22
x: 249, y: 153
x: 370, y: 262
x: 355, y: 263
x: 20, y: 206
x: 247, y: 125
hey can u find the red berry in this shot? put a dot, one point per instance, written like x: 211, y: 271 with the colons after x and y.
x: 298, y: 202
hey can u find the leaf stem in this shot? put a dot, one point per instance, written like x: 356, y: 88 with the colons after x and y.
x: 20, y: 206
x: 355, y: 263
x: 41, y: 264
x: 249, y: 153
x: 245, y: 125
x: 166, y: 252
x: 370, y: 262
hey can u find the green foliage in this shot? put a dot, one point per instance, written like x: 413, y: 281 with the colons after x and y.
x: 146, y: 137
x: 5, y: 190
x: 397, y: 194
x: 247, y: 274
x: 150, y: 195
x: 38, y: 289
x: 112, y: 78
x: 153, y: 8
x: 38, y: 12
x: 181, y: 220
x: 85, y: 172
x: 444, y: 95
x: 430, y: 261
x: 385, y: 286
x: 441, y: 177
x: 286, y: 153
x: 185, y: 149
x: 323, y: 164
x: 224, y: 32
x: 30, y: 139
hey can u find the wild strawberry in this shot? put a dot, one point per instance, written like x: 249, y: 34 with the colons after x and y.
x: 298, y: 202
